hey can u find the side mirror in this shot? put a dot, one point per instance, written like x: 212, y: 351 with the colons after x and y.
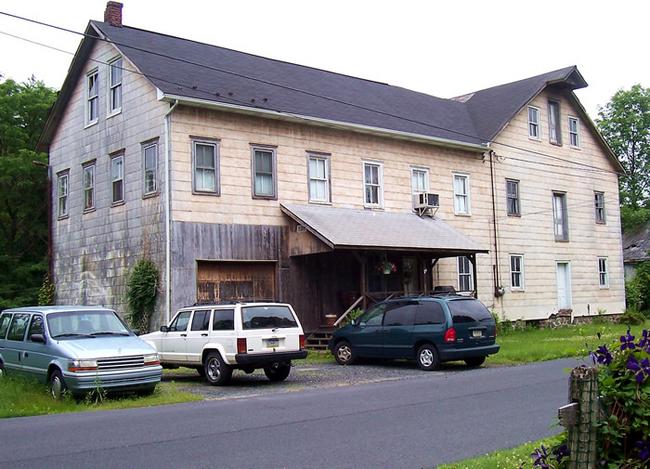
x: 40, y: 338
x: 164, y: 329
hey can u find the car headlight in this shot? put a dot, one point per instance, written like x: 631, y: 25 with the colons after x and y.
x: 151, y: 359
x: 82, y: 365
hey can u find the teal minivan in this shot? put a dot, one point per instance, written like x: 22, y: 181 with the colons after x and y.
x: 431, y: 330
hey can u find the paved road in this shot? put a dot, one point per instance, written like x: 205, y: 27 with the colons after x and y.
x: 413, y: 423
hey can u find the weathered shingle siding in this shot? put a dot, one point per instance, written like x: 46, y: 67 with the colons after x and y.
x: 94, y: 251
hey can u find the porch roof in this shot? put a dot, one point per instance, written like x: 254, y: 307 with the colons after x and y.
x: 345, y: 228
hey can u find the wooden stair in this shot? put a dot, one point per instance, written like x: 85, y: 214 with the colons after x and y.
x: 318, y: 340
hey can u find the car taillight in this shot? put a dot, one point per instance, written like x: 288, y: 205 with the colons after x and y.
x: 302, y: 341
x: 241, y: 345
x: 450, y: 335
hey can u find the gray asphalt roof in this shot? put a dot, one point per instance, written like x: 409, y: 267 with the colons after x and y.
x: 636, y: 244
x: 55, y: 309
x: 372, y: 229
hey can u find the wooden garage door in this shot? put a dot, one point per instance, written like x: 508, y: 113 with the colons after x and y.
x: 225, y: 281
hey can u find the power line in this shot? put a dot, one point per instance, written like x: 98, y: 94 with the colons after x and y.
x: 298, y: 90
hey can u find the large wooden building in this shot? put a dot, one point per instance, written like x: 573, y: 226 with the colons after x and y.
x: 246, y: 177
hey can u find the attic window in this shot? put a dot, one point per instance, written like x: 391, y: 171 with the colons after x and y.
x: 92, y: 97
x: 533, y: 122
x: 554, y: 128
x: 115, y: 86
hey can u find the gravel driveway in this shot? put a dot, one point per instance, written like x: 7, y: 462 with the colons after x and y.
x: 303, y: 376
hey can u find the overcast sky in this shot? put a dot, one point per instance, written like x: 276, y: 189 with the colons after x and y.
x: 441, y: 49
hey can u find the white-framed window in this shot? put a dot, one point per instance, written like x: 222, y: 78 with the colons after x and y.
x: 319, y: 178
x: 574, y: 132
x: 599, y: 207
x: 465, y: 274
x: 89, y: 186
x: 419, y: 180
x: 150, y: 167
x: 264, y: 173
x: 373, y: 181
x: 516, y: 271
x: 533, y: 123
x: 115, y: 86
x: 560, y: 216
x: 461, y: 194
x: 512, y: 197
x: 62, y: 191
x: 603, y: 274
x: 92, y: 97
x: 117, y: 179
x: 205, y: 156
x: 554, y: 128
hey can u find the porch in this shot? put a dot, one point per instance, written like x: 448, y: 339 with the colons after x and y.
x: 346, y: 258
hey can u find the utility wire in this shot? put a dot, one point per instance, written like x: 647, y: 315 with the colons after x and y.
x: 298, y: 90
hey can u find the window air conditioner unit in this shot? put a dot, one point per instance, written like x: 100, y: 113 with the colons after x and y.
x: 424, y: 200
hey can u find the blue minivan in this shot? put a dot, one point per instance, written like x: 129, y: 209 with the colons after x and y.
x: 431, y: 330
x: 76, y: 348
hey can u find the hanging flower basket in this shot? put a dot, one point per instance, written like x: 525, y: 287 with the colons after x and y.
x: 386, y: 267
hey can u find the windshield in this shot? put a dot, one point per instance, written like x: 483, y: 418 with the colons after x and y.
x: 71, y: 324
x: 267, y: 317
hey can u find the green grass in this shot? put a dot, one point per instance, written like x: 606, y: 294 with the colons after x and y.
x: 505, y: 458
x: 532, y: 345
x: 21, y: 397
x: 318, y: 357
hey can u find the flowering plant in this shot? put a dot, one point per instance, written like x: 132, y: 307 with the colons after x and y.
x: 386, y: 267
x: 624, y: 384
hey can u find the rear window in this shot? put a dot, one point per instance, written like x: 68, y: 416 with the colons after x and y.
x: 5, y: 319
x: 429, y: 312
x: 468, y: 311
x: 267, y: 317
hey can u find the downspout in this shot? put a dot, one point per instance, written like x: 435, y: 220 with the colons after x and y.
x: 498, y: 290
x: 168, y: 240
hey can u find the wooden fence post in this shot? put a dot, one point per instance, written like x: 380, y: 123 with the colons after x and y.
x: 581, y: 416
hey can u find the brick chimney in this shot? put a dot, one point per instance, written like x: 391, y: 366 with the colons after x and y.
x: 113, y: 14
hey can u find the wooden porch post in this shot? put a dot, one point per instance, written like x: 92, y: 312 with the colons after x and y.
x: 363, y: 262
x: 472, y: 259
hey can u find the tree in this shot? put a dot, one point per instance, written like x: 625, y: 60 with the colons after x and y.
x: 625, y: 124
x: 23, y: 213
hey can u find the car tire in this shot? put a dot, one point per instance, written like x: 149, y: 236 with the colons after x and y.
x: 277, y: 371
x: 474, y: 361
x: 217, y: 372
x: 201, y: 371
x: 57, y: 385
x: 428, y: 358
x: 344, y: 353
x: 2, y: 370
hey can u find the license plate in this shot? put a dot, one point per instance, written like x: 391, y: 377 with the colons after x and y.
x: 477, y: 333
x: 272, y: 343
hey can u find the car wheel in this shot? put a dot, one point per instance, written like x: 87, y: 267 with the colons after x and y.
x: 475, y: 361
x: 343, y: 353
x: 201, y: 371
x: 428, y: 358
x: 277, y: 371
x: 2, y: 370
x: 217, y: 372
x: 57, y: 385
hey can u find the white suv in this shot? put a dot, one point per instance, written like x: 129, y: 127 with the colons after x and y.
x: 215, y: 339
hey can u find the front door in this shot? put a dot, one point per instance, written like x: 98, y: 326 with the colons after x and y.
x: 563, y: 285
x: 197, y: 335
x: 36, y: 358
x: 367, y: 337
x: 410, y: 276
x: 173, y: 345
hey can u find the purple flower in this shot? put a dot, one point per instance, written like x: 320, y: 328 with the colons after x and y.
x: 644, y: 449
x: 644, y: 343
x: 561, y: 452
x: 627, y: 341
x: 636, y: 368
x: 602, y: 356
x: 540, y: 456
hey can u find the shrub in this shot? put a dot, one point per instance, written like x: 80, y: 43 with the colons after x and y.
x: 640, y: 287
x: 624, y: 384
x: 632, y: 317
x: 47, y: 292
x: 632, y: 294
x: 142, y: 288
x: 354, y: 315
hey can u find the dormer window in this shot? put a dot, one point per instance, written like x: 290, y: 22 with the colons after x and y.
x: 92, y: 97
x: 533, y: 122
